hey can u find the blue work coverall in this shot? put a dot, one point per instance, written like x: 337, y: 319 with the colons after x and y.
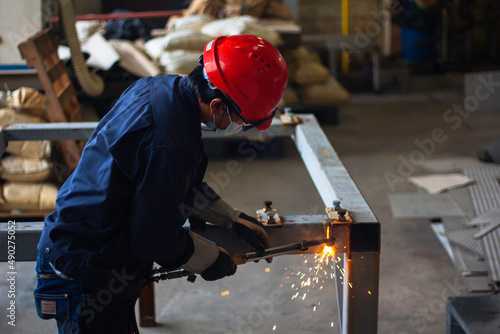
x: 123, y: 208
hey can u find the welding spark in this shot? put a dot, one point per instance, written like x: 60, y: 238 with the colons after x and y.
x: 274, y: 327
x: 323, y: 268
x: 267, y: 270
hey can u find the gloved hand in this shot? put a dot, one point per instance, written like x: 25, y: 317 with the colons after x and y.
x: 209, y: 260
x: 252, y: 231
x: 222, y: 267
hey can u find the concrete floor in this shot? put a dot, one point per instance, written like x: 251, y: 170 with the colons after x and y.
x: 416, y: 275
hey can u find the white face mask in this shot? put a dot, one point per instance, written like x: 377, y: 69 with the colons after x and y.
x: 211, y: 125
x: 232, y: 128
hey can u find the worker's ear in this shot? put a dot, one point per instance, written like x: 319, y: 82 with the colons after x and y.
x: 217, y: 107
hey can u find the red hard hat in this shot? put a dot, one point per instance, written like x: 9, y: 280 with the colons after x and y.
x: 251, y: 71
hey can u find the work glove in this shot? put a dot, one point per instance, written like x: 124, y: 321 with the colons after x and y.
x: 247, y: 228
x: 209, y: 260
x: 217, y: 212
x: 222, y: 267
x: 252, y: 232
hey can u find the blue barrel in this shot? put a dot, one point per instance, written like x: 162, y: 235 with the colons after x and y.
x: 417, y: 45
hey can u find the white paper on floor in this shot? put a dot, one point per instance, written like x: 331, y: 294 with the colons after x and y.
x: 437, y: 183
x: 408, y: 205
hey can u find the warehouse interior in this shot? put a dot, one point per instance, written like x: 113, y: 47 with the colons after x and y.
x: 401, y: 97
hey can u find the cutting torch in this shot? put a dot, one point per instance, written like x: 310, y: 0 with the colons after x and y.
x: 159, y: 274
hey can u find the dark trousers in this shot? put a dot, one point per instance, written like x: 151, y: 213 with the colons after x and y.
x: 81, y: 310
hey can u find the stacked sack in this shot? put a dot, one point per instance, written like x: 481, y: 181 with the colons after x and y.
x: 310, y: 81
x: 179, y: 50
x: 25, y: 168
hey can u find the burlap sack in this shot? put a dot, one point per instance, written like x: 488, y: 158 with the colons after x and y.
x: 210, y: 7
x: 219, y: 27
x: 241, y: 25
x: 177, y: 40
x: 154, y: 47
x: 10, y: 116
x: 301, y: 53
x: 194, y: 22
x: 27, y: 149
x: 28, y: 100
x: 186, y: 40
x: 310, y: 72
x: 329, y: 92
x: 19, y: 169
x: 29, y: 196
x: 30, y: 149
x: 179, y: 61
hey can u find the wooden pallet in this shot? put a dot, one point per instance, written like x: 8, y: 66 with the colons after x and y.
x: 40, y: 52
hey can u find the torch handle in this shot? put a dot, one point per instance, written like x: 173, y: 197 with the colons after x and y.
x: 242, y: 258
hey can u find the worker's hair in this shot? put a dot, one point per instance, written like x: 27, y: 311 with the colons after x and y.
x: 200, y: 87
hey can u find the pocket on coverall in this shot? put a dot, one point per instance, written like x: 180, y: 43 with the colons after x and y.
x: 55, y: 299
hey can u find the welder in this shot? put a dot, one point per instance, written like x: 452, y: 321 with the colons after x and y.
x: 140, y: 178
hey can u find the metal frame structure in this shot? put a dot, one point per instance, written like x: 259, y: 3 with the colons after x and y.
x: 357, y: 238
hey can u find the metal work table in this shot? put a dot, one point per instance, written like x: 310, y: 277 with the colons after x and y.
x: 357, y: 242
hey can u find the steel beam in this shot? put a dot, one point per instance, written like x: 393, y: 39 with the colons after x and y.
x: 45, y: 131
x: 358, y: 308
x: 26, y: 238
